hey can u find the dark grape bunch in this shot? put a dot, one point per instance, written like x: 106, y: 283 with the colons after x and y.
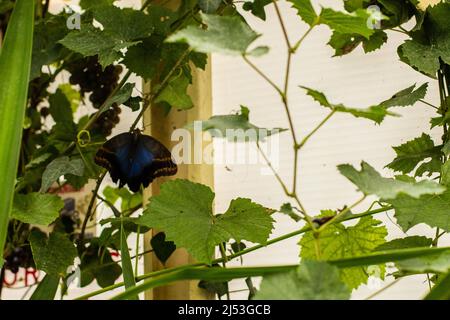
x: 90, y: 76
x: 107, y: 121
x: 19, y: 257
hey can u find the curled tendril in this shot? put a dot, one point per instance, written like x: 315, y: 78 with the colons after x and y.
x: 83, y: 138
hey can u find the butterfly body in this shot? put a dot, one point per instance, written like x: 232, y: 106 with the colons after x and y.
x: 135, y: 159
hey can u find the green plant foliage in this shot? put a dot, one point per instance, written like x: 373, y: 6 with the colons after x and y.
x: 184, y: 211
x: 128, y: 200
x: 257, y: 7
x: 217, y: 127
x: 338, y: 241
x: 57, y: 168
x: 97, y: 264
x: 407, y: 242
x: 411, y: 153
x: 127, y: 265
x: 36, y: 208
x: 51, y: 134
x: 54, y: 254
x: 305, y: 10
x: 313, y: 280
x: 15, y: 64
x: 47, y: 288
x: 209, y: 6
x: 175, y: 92
x: 430, y: 209
x: 369, y: 181
x: 374, y: 113
x: 406, y: 97
x: 346, y: 23
x: 227, y: 35
x: 163, y: 249
x: 437, y: 263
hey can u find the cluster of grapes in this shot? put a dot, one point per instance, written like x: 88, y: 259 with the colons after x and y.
x: 19, y: 257
x: 90, y: 76
x: 107, y: 121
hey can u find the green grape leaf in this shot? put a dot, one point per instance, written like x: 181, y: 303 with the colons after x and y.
x: 445, y: 173
x: 288, y: 210
x: 174, y: 93
x: 226, y: 35
x: 36, y: 208
x: 72, y: 95
x: 411, y: 153
x: 60, y: 107
x: 375, y: 41
x: 127, y: 24
x: 120, y: 97
x: 91, y: 41
x: 57, y: 168
x: 337, y: 241
x: 163, y: 249
x: 406, y: 97
x: 257, y: 7
x: 433, y: 210
x: 209, y: 6
x: 424, y: 58
x: 405, y: 243
x: 144, y: 58
x: 312, y: 280
x: 52, y: 255
x: 87, y: 4
x: 96, y: 263
x: 46, y: 49
x: 305, y: 10
x: 369, y: 181
x: 183, y: 210
x: 35, y: 162
x: 341, y: 22
x: 240, y: 129
x: 374, y: 113
x: 435, y: 263
x: 128, y: 200
x: 344, y: 43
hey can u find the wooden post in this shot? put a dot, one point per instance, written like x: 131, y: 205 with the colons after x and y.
x: 161, y: 126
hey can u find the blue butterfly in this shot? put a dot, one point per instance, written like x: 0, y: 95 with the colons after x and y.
x: 135, y: 159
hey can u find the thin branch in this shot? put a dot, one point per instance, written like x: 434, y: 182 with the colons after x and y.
x: 163, y: 85
x: 303, y: 142
x: 269, y: 164
x: 341, y: 214
x: 383, y: 289
x: 429, y: 104
x: 283, y: 27
x: 89, y: 211
x: 300, y: 41
x: 262, y: 74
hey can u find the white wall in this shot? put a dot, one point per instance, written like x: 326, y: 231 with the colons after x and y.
x: 358, y: 80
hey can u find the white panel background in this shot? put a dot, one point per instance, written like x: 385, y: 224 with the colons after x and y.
x: 358, y: 80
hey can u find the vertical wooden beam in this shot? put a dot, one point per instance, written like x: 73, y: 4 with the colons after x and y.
x: 161, y: 126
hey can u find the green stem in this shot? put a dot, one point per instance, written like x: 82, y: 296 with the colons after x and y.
x: 262, y: 74
x: 90, y: 207
x: 305, y: 139
x: 163, y: 85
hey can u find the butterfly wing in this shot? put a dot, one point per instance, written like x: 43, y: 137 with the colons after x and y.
x: 114, y: 155
x: 151, y: 159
